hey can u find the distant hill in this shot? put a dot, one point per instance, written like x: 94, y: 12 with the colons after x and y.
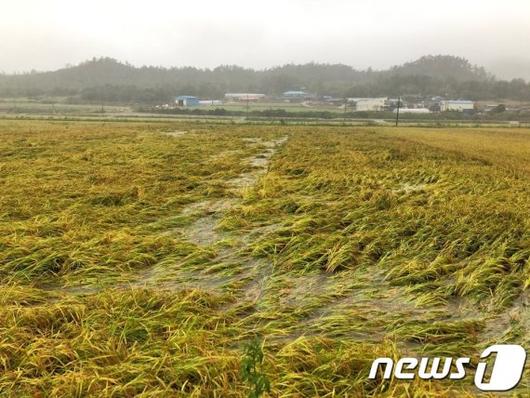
x: 443, y: 67
x: 108, y: 80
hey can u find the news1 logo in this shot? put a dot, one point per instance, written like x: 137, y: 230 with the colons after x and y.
x: 504, y: 374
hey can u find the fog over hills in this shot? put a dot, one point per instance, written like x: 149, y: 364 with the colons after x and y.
x: 106, y: 79
x: 510, y: 68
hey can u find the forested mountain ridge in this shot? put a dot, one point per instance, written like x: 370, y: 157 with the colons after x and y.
x: 106, y: 79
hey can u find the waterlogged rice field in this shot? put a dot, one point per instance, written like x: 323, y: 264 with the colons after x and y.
x: 140, y: 259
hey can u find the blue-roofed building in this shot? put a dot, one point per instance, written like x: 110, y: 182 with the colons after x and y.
x: 187, y: 100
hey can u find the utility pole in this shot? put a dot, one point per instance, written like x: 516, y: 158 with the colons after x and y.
x: 397, y: 113
x: 248, y: 105
x: 344, y: 115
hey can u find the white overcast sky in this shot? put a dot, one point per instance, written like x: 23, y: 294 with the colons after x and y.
x: 48, y: 34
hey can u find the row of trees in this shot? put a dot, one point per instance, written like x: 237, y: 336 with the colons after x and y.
x: 107, y: 80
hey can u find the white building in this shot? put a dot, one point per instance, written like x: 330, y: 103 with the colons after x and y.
x: 210, y: 102
x: 244, y: 96
x: 412, y: 110
x: 368, y: 104
x: 457, y: 105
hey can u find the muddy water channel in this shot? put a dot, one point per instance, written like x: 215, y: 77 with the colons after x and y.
x: 224, y: 266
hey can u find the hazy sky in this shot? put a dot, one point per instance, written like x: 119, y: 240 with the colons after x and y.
x: 48, y: 34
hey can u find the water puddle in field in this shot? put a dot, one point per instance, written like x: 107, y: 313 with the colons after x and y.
x: 259, y: 162
x: 208, y: 206
x: 203, y: 230
x: 513, y: 319
x: 362, y: 306
x: 303, y: 287
x: 408, y: 188
x: 163, y: 278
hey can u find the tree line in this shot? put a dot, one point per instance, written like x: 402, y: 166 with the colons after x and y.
x: 107, y: 80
